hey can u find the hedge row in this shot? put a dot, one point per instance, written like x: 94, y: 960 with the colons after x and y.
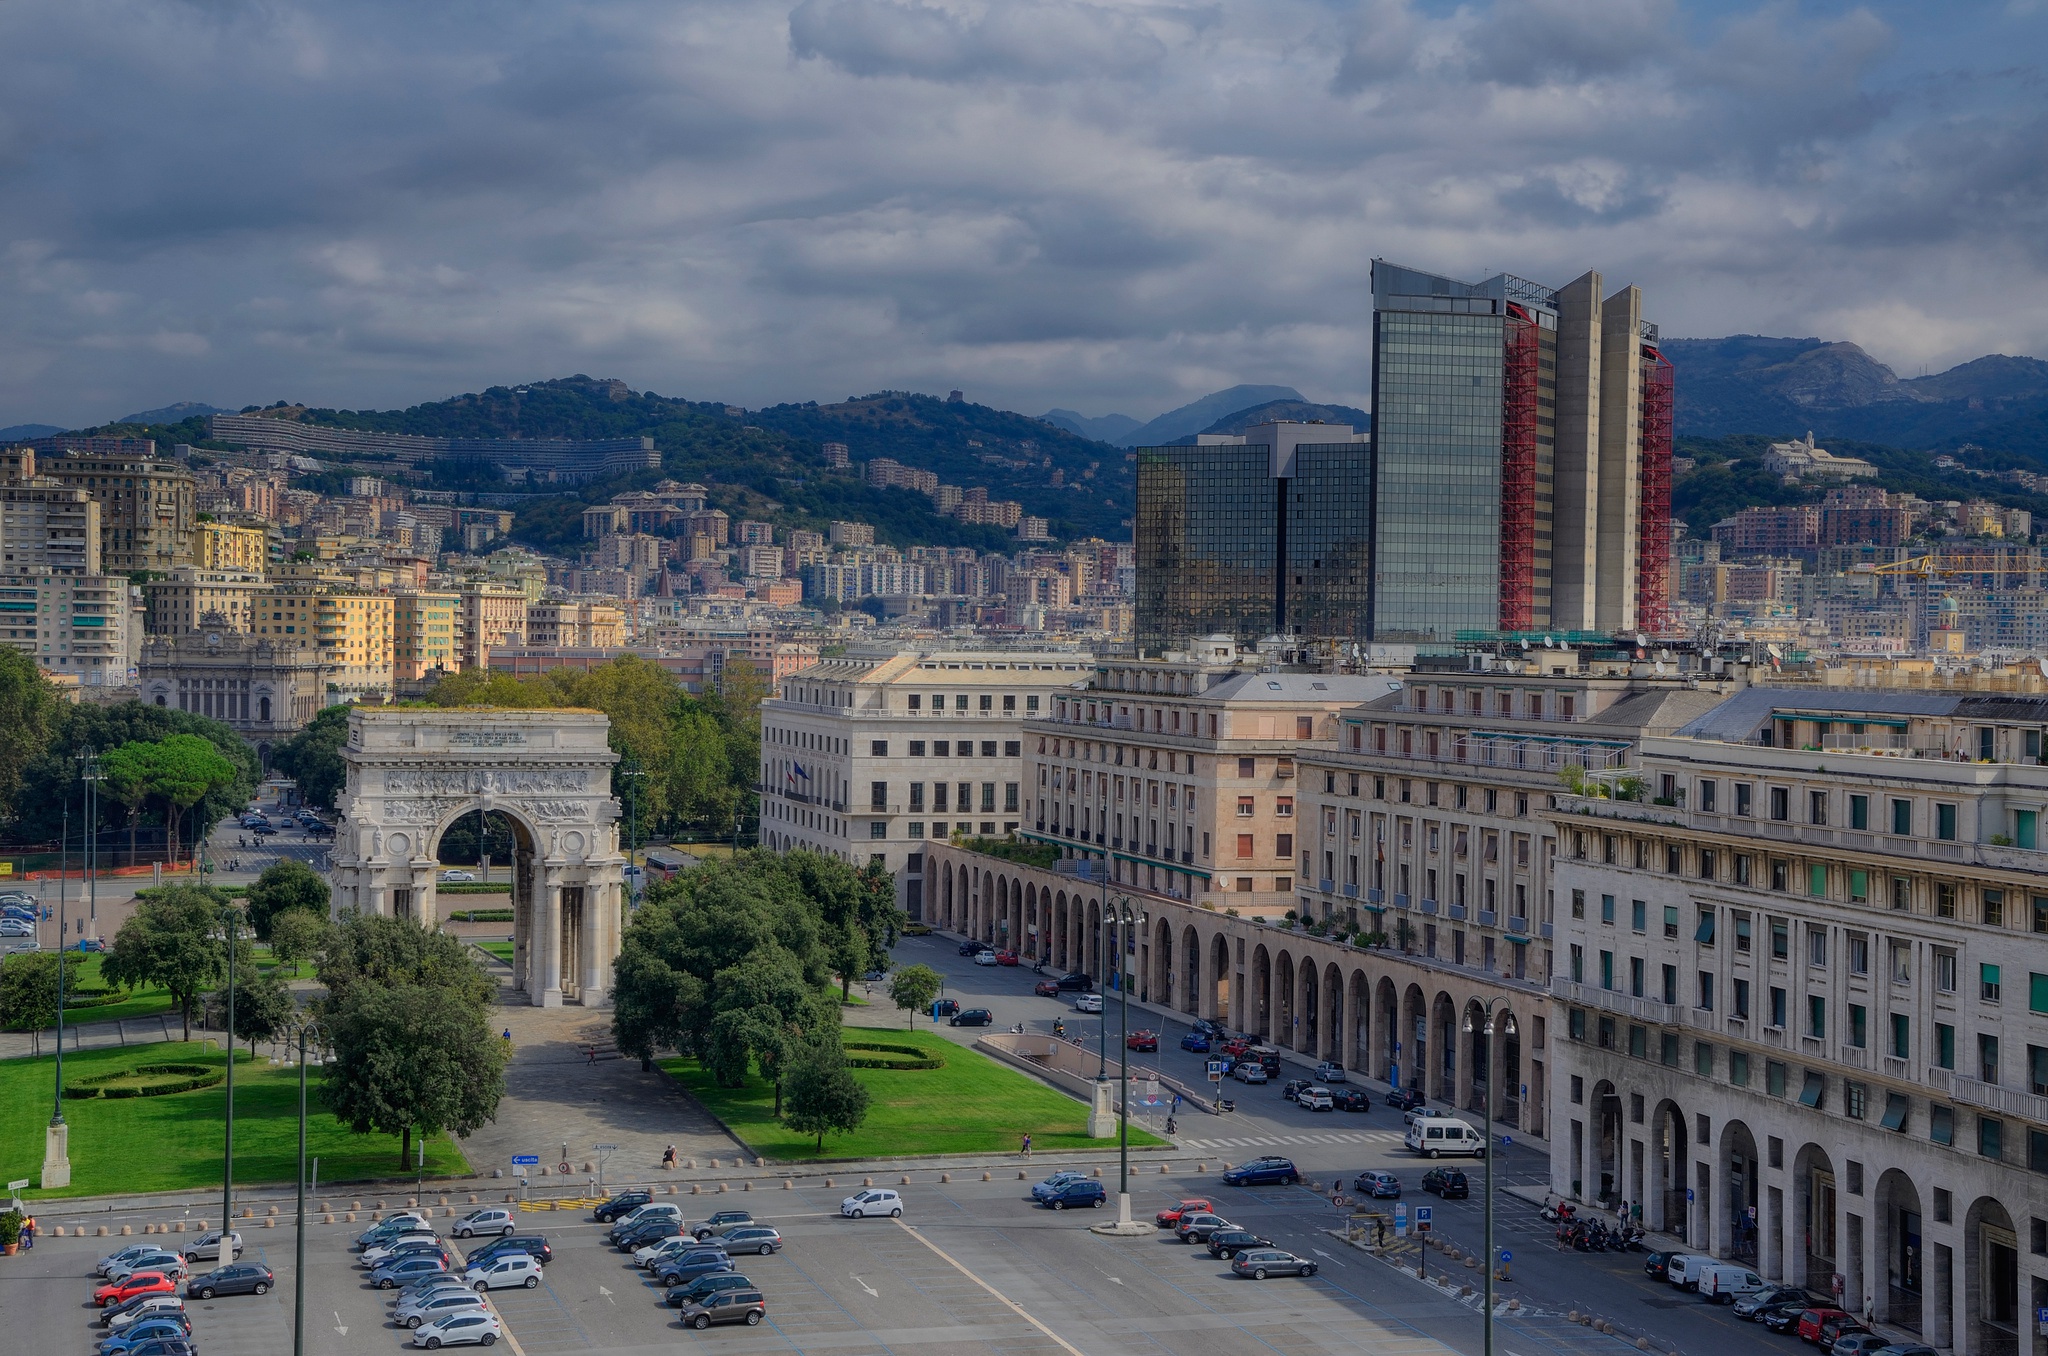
x: 93, y: 998
x: 481, y: 916
x: 891, y: 1057
x: 197, y: 1076
x: 475, y: 887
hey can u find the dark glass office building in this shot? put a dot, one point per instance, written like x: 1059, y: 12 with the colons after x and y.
x: 1268, y: 535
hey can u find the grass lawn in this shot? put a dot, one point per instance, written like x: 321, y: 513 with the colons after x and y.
x: 973, y: 1105
x: 149, y: 999
x: 502, y: 950
x: 174, y: 1143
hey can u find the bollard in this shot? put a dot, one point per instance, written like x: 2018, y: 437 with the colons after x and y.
x: 714, y: 1163
x: 412, y: 1202
x: 695, y: 1189
x: 126, y: 1231
x: 867, y: 1181
x: 247, y: 1213
x: 689, y: 1162
x: 1642, y: 1344
x: 1201, y: 1167
x: 945, y: 1177
x: 59, y: 1231
x: 272, y: 1210
x: 270, y: 1221
x: 721, y: 1188
x: 101, y: 1231
x: 327, y: 1219
x: 179, y: 1227
x: 350, y: 1217
x: 378, y: 1206
x: 472, y: 1198
x: 988, y: 1177
x: 788, y: 1185
x: 1096, y: 1172
x: 1020, y: 1175
x: 760, y: 1162
x: 828, y: 1181
x: 355, y: 1205
x: 149, y: 1228
x: 747, y: 1185
x: 1162, y: 1170
x: 1571, y: 1316
x: 905, y: 1181
x: 444, y: 1200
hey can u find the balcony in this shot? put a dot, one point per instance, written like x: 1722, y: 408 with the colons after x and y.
x: 1400, y: 901
x: 1429, y: 906
x: 1351, y: 892
x: 1326, y: 885
x: 1487, y: 918
x: 1457, y: 912
x: 1637, y: 811
x: 1991, y: 1097
x: 1614, y: 1001
x: 1375, y: 895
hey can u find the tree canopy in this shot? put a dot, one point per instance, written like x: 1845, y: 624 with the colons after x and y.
x: 175, y: 938
x: 28, y: 706
x: 818, y: 1093
x: 369, y: 950
x: 312, y: 757
x: 412, y: 1057
x: 285, y: 885
x: 28, y: 987
x: 913, y: 988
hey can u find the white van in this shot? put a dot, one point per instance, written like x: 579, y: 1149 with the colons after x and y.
x: 1683, y: 1269
x: 1723, y: 1282
x: 1439, y: 1135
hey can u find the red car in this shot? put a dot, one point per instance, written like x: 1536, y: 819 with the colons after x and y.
x: 141, y: 1283
x: 1006, y: 958
x: 1169, y: 1217
x: 1046, y: 988
x: 1813, y: 1320
x: 1147, y: 1041
x: 1236, y: 1046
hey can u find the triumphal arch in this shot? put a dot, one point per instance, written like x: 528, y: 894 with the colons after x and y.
x: 412, y: 772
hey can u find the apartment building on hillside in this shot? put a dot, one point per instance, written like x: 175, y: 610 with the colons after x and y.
x: 1803, y: 990
x: 1183, y: 776
x: 870, y: 757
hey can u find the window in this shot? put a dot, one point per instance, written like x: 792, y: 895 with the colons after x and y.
x: 1945, y: 971
x: 1671, y: 984
x: 878, y: 795
x: 878, y: 748
x: 1578, y: 903
x: 1817, y: 807
x: 1703, y: 1059
x: 1945, y: 822
x: 1607, y: 908
x: 1667, y: 1048
x: 1706, y: 991
x: 917, y: 748
x: 1987, y: 983
x: 1247, y: 767
x: 1638, y: 915
x: 1859, y: 887
x: 1738, y: 1068
x: 1941, y: 1128
x: 1708, y: 788
x: 1703, y: 931
x: 1742, y: 798
x: 1859, y: 812
x: 2037, y: 992
x: 1741, y: 1012
x: 1817, y: 1016
x: 1742, y: 937
x: 1578, y: 954
x: 1575, y: 1027
x: 1777, y: 1007
x: 2040, y: 913
x: 1283, y: 806
x: 1635, y: 976
x: 1902, y: 818
x: 1902, y: 895
x: 1781, y: 803
x: 1817, y: 879
x: 1859, y: 954
x: 1707, y: 863
x: 1283, y: 844
x: 1671, y: 922
x: 1816, y: 945
x: 1855, y: 1100
x: 1245, y: 807
x: 1902, y: 1035
x: 1639, y: 1042
x: 1781, y: 939
x: 1994, y: 908
x: 1813, y: 1091
x: 1774, y: 1077
x: 2037, y: 1070
x: 1944, y: 1046
x: 1990, y: 1137
x: 878, y: 829
x: 1244, y: 845
x: 1859, y: 1026
x: 917, y: 797
x: 1987, y: 1057
x: 1607, y: 969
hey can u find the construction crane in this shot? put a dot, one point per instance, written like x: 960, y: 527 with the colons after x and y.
x: 1930, y: 567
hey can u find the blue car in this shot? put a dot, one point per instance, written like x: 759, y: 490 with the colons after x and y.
x: 1197, y: 1041
x: 1263, y: 1172
x: 122, y: 1343
x: 1078, y: 1192
x: 683, y: 1269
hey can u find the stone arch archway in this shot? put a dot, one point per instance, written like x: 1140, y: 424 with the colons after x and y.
x: 1190, y: 963
x: 1670, y: 1168
x: 1896, y: 1288
x: 411, y: 772
x: 1812, y: 1253
x: 1258, y: 1013
x: 1992, y: 1303
x: 1282, y: 1028
x: 1218, y: 991
x: 1602, y: 1180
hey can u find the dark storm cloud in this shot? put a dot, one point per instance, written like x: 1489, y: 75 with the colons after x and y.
x: 1048, y: 202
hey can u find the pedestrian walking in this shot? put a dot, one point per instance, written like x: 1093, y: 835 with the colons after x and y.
x: 668, y: 1157
x: 1027, y: 1146
x: 28, y: 1233
x: 591, y: 1051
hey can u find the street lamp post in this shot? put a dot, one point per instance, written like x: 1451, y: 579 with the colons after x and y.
x: 1128, y: 916
x: 1498, y: 1023
x: 227, y: 1171
x: 93, y: 777
x: 306, y: 1027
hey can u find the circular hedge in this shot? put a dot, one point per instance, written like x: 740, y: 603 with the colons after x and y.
x: 878, y: 1055
x: 147, y: 1080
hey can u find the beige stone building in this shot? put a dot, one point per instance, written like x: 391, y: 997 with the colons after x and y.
x: 493, y: 615
x: 266, y: 687
x: 148, y: 511
x: 175, y: 603
x: 424, y: 634
x: 44, y: 523
x: 76, y: 624
x: 229, y: 547
x: 574, y: 623
x: 353, y: 633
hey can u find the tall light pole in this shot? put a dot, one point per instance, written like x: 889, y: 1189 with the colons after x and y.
x: 1498, y: 1023
x: 57, y: 1136
x: 93, y: 777
x: 632, y: 772
x: 1127, y: 916
x: 306, y: 1026
x: 229, y: 914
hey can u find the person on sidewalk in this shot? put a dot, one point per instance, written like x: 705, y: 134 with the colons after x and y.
x: 28, y: 1234
x: 668, y: 1157
x: 1027, y: 1146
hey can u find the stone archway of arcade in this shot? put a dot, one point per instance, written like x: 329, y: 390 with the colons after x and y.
x: 1389, y: 1017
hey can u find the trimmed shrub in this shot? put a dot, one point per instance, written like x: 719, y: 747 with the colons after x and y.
x: 172, y: 1078
x: 884, y: 1056
x: 481, y: 916
x: 475, y: 887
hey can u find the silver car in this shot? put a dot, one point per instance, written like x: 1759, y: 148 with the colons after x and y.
x: 437, y: 1305
x: 114, y: 1259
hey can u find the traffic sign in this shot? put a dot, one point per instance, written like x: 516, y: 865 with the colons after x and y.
x: 1422, y: 1213
x: 1506, y: 1256
x: 606, y: 1148
x: 21, y: 1185
x: 525, y: 1160
x: 1400, y: 1219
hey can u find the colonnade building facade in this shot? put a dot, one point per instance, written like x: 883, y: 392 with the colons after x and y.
x: 1803, y: 1001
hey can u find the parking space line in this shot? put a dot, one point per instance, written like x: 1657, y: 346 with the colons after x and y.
x: 1011, y: 1304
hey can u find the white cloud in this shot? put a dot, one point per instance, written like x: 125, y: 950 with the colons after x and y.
x: 1100, y: 205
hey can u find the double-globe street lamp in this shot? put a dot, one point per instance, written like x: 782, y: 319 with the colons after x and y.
x: 1499, y: 1024
x: 304, y: 1027
x: 1122, y: 916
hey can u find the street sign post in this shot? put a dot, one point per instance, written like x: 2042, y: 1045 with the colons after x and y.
x: 1215, y: 1071
x: 1400, y: 1219
x: 525, y: 1160
x: 1422, y: 1219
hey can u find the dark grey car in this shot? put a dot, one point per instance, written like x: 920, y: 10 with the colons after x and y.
x: 242, y: 1278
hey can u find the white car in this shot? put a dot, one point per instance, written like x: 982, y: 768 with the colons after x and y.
x: 1088, y: 1002
x: 382, y: 1253
x: 151, y: 1307
x: 1315, y: 1099
x: 114, y: 1259
x: 495, y: 1220
x: 476, y: 1328
x: 515, y: 1268
x: 651, y: 1256
x: 458, y: 877
x: 984, y: 958
x: 877, y: 1201
x: 389, y: 1225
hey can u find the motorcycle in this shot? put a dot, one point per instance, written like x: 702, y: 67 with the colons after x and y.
x: 1038, y: 967
x: 1560, y: 1213
x: 1059, y: 1028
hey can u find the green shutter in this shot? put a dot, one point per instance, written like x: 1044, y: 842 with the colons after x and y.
x: 1817, y: 880
x: 2037, y: 993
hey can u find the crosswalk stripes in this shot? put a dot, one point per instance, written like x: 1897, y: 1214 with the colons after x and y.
x: 1268, y: 1141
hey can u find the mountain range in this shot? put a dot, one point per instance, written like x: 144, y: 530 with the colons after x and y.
x: 1194, y: 417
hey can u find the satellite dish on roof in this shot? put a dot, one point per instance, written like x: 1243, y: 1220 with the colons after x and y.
x: 1642, y: 640
x: 1549, y: 643
x: 1774, y: 652
x: 2044, y: 667
x: 1525, y: 647
x: 1660, y: 666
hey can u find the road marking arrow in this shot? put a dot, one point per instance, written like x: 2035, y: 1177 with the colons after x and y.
x: 607, y: 1294
x: 865, y: 1286
x: 338, y: 1325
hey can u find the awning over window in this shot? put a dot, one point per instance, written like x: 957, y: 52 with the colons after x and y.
x: 1896, y: 1105
x: 1816, y: 1086
x: 1705, y: 931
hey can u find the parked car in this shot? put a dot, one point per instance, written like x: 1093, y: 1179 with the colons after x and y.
x: 164, y: 1346
x: 1783, y: 1317
x: 490, y: 1220
x: 1250, y: 1071
x: 533, y: 1245
x: 141, y: 1283
x: 688, y: 1267
x: 1232, y: 1241
x: 207, y: 1246
x: 1077, y: 1192
x: 440, y: 1283
x: 985, y: 958
x: 1377, y: 1184
x: 1197, y: 1227
x: 972, y: 1017
x: 1861, y: 1344
x: 649, y: 1231
x: 1448, y: 1183
x: 514, y: 1269
x: 1433, y: 1136
x: 873, y: 1201
x: 710, y: 1283
x: 1834, y: 1330
x: 1046, y: 988
x: 156, y: 1259
x: 971, y: 948
x: 457, y: 877
x: 644, y: 1214
x: 614, y: 1206
x: 1350, y: 1099
x: 1259, y: 1263
x: 141, y: 1306
x: 174, y: 1328
x: 1263, y: 1170
x: 419, y: 1309
x: 1329, y: 1071
x: 1006, y: 957
x: 1726, y: 1282
x: 1293, y: 1086
x: 758, y: 1238
x: 237, y: 1278
x: 728, y: 1306
x: 1748, y: 1306
x: 1813, y: 1320
x: 413, y: 1247
x: 1088, y: 1002
x: 405, y: 1270
x: 1196, y: 1042
x: 480, y: 1328
x: 1076, y: 981
x: 1170, y: 1216
x: 1654, y: 1265
x: 1682, y: 1269
x: 1315, y: 1099
x: 389, y: 1225
x: 1144, y: 1041
x: 945, y: 1007
x: 1404, y: 1098
x: 120, y: 1256
x: 650, y: 1257
x: 722, y: 1220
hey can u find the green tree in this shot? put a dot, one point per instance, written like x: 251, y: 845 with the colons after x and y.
x: 50, y: 779
x: 285, y: 885
x: 913, y: 988
x: 263, y: 1004
x: 128, y: 773
x: 312, y: 757
x: 818, y: 1093
x: 184, y: 768
x: 412, y: 1057
x: 369, y: 949
x: 28, y: 988
x: 175, y: 939
x: 761, y: 1009
x: 27, y: 705
x: 297, y: 936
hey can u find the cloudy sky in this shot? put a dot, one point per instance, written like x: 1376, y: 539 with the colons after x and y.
x: 1106, y: 206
